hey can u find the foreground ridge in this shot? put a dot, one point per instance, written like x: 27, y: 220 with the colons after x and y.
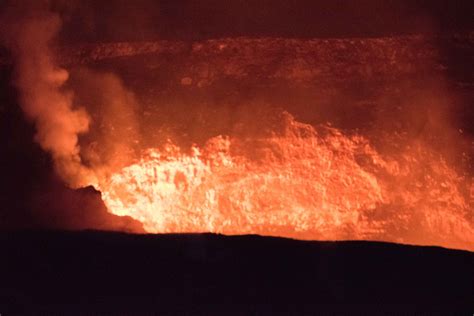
x: 82, y: 271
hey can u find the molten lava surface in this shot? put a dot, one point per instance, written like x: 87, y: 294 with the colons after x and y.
x: 301, y: 182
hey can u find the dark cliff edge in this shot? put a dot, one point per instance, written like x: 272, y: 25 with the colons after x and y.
x: 104, y: 272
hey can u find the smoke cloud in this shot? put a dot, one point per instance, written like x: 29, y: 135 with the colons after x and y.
x: 114, y: 133
x: 40, y: 83
x: 54, y: 102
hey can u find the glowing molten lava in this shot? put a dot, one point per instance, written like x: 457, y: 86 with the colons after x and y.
x: 299, y: 182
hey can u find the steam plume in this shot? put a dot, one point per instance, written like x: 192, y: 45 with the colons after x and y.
x: 42, y: 96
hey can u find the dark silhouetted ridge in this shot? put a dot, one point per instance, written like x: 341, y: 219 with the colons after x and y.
x: 75, y: 272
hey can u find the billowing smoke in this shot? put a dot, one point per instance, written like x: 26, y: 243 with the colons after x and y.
x: 49, y: 98
x: 52, y: 100
x: 40, y: 83
x: 114, y: 133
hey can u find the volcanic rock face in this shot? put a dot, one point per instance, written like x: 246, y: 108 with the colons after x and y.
x: 299, y: 60
x: 350, y: 80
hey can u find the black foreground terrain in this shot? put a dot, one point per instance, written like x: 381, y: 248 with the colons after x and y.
x: 42, y: 272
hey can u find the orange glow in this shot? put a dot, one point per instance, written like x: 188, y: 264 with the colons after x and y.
x: 301, y: 182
